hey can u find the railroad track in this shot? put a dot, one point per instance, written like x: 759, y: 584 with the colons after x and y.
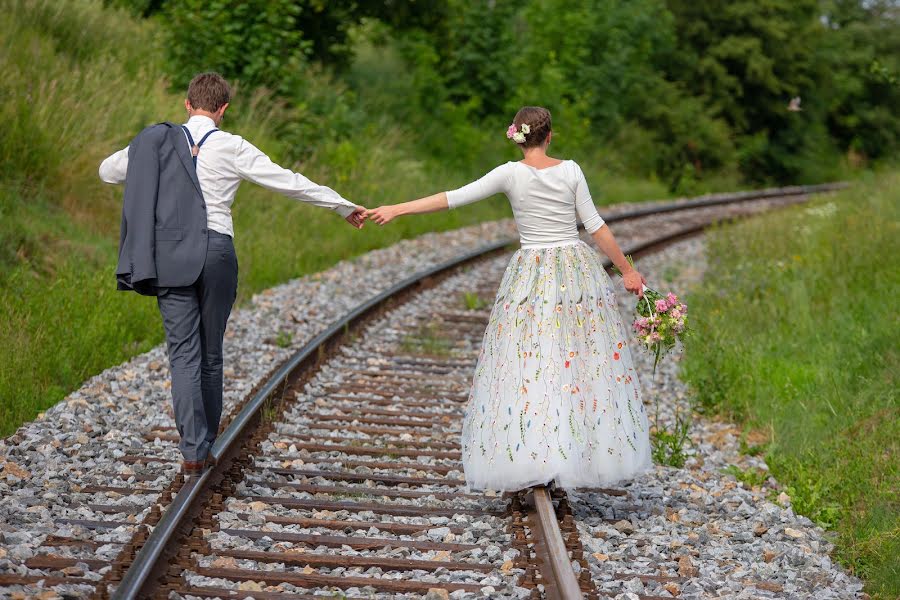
x: 341, y: 473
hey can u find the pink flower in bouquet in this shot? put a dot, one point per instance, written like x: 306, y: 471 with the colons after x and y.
x: 662, y: 306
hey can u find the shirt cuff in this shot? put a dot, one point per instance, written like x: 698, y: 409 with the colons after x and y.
x: 452, y: 199
x: 594, y: 223
x: 345, y: 210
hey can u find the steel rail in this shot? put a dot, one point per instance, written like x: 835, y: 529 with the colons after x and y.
x: 138, y: 579
x: 552, y: 549
x: 655, y: 208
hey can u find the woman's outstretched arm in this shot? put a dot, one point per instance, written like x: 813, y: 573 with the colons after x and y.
x: 632, y: 279
x: 492, y: 183
x: 386, y: 214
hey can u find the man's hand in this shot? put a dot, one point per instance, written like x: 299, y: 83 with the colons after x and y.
x: 358, y: 217
x: 634, y: 282
x: 383, y: 214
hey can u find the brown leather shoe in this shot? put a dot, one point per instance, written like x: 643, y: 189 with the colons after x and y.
x: 192, y: 467
x: 195, y: 467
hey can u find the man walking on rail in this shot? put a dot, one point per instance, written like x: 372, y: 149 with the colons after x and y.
x: 176, y: 243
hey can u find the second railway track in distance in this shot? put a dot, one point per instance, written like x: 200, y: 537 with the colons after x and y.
x: 341, y: 475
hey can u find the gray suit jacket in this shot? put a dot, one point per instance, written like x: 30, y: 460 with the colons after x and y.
x: 163, y: 238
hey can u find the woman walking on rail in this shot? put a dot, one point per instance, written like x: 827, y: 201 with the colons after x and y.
x: 555, y: 396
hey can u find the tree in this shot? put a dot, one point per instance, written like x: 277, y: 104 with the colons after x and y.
x: 254, y: 41
x: 746, y: 59
x: 860, y: 56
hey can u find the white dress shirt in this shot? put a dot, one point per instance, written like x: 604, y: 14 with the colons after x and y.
x: 546, y: 203
x: 223, y: 161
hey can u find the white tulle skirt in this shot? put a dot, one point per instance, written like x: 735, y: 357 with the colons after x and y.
x: 555, y: 396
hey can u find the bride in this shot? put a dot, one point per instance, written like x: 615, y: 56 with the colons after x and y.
x: 555, y: 396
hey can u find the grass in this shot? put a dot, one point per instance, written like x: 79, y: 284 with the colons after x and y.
x: 428, y: 339
x: 795, y: 334
x: 668, y: 445
x: 751, y: 477
x: 472, y: 301
x: 283, y: 339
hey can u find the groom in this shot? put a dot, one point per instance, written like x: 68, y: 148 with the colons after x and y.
x: 176, y: 242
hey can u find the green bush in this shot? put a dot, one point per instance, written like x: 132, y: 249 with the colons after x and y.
x: 256, y: 42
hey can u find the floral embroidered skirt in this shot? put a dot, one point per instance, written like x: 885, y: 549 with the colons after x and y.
x: 555, y: 395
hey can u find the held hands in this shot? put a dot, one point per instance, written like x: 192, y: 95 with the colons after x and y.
x: 381, y: 215
x: 358, y: 217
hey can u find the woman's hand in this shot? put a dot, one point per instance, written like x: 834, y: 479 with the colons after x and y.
x: 634, y: 282
x: 383, y: 214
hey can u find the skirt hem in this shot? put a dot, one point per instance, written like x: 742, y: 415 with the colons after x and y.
x: 566, y: 481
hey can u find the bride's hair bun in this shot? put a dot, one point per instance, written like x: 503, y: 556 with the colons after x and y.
x: 538, y: 120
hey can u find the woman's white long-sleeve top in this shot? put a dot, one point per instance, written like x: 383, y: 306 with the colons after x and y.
x: 547, y: 203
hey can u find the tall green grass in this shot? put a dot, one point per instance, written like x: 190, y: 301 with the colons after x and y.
x: 796, y: 333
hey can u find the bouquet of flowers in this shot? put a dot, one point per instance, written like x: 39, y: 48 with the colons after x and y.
x: 661, y: 321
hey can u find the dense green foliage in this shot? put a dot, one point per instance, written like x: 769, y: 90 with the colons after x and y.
x: 795, y: 334
x: 682, y: 90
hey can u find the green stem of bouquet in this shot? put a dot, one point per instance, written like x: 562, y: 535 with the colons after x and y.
x: 617, y: 271
x: 658, y: 356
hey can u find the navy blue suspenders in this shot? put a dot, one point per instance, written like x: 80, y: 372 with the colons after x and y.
x: 195, y: 148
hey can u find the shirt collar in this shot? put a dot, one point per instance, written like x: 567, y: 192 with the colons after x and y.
x: 201, y: 120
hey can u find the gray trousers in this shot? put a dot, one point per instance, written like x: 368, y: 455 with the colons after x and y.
x: 194, y: 318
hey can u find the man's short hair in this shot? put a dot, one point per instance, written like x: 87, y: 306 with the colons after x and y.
x: 208, y: 91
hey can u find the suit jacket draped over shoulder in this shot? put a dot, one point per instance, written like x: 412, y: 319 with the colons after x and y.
x: 163, y: 236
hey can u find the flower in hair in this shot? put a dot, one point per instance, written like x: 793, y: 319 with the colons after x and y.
x: 517, y: 136
x: 526, y: 128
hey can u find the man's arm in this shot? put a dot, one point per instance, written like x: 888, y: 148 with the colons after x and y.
x: 253, y: 165
x: 113, y: 169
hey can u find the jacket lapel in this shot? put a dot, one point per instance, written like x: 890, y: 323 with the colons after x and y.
x: 176, y: 137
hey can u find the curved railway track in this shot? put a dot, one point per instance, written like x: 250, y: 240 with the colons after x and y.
x: 341, y: 472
